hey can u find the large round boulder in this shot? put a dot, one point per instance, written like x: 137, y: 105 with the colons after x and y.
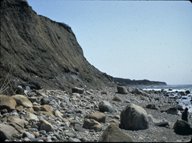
x: 182, y: 127
x: 134, y: 117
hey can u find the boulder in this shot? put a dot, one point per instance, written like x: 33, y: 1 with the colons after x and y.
x: 45, y: 125
x: 77, y: 90
x: 133, y: 117
x: 179, y: 107
x: 17, y: 120
x: 78, y: 127
x: 19, y: 89
x: 92, y: 124
x: 121, y: 90
x: 98, y: 116
x: 45, y: 100
x: 172, y: 110
x: 137, y: 91
x: 113, y: 134
x: 187, y: 92
x: 22, y: 100
x: 116, y: 98
x: 182, y: 93
x: 7, y: 132
x: 105, y: 106
x: 7, y: 102
x: 182, y: 127
x: 151, y: 106
x: 190, y: 140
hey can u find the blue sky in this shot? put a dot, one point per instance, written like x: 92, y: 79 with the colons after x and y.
x: 130, y: 39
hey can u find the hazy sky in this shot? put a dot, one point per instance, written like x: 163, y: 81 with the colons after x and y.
x: 130, y: 39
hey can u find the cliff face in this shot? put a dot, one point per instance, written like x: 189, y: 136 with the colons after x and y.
x: 36, y: 49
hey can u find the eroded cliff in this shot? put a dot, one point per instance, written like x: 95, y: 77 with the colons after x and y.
x: 35, y: 49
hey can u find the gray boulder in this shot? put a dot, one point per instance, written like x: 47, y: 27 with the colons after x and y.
x: 137, y: 91
x: 116, y: 98
x: 172, y: 110
x: 45, y: 100
x: 105, y: 106
x: 121, y: 90
x: 133, y: 117
x: 151, y: 106
x: 114, y: 134
x: 45, y: 125
x: 182, y: 127
x: 77, y: 90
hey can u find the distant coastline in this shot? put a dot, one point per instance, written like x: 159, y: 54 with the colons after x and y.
x: 145, y: 82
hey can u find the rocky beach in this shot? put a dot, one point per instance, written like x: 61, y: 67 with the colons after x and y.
x: 49, y: 92
x: 112, y: 114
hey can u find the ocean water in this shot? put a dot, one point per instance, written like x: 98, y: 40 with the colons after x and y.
x: 174, y: 89
x: 182, y: 87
